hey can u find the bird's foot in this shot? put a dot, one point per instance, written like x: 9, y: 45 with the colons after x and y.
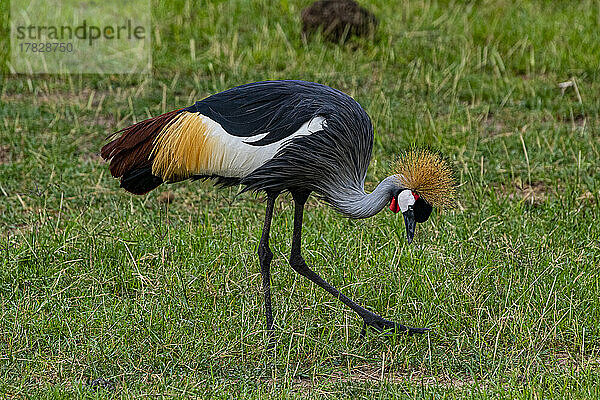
x: 383, y: 325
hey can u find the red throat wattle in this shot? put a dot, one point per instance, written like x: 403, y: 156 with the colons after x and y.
x: 394, y: 205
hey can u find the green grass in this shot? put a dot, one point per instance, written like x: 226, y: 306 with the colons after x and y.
x: 164, y: 301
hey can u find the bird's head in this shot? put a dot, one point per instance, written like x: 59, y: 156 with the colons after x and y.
x: 424, y: 179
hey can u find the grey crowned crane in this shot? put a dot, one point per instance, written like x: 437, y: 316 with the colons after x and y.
x: 278, y: 136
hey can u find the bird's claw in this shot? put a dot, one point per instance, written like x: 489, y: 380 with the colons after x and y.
x: 387, y: 327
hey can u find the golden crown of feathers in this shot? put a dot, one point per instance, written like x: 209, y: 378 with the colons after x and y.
x: 428, y: 174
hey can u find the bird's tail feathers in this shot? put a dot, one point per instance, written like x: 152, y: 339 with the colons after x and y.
x: 130, y: 153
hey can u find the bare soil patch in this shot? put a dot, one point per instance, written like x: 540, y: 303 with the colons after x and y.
x: 493, y: 125
x: 535, y: 193
x: 166, y: 197
x: 4, y: 154
x: 339, y: 19
x: 91, y: 157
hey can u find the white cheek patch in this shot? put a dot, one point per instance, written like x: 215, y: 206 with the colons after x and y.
x: 405, y: 199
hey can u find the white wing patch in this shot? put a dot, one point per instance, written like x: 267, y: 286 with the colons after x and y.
x: 234, y: 156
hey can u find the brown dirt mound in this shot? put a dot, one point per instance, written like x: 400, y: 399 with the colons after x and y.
x: 339, y: 19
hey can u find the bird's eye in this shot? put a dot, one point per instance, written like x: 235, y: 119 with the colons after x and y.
x: 422, y: 210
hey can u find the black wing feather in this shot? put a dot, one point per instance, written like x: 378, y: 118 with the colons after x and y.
x: 278, y: 108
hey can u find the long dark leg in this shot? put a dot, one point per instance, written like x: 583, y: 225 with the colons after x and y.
x: 299, y: 265
x: 265, y: 256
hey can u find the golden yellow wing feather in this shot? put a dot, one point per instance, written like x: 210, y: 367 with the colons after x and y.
x: 183, y: 147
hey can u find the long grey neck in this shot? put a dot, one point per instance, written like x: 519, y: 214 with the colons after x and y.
x: 358, y: 204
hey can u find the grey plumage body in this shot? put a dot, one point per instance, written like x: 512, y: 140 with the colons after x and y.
x: 332, y: 162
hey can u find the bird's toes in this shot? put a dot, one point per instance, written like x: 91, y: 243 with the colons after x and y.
x: 412, y: 331
x: 390, y: 327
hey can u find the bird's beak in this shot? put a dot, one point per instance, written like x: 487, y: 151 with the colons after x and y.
x: 409, y: 221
